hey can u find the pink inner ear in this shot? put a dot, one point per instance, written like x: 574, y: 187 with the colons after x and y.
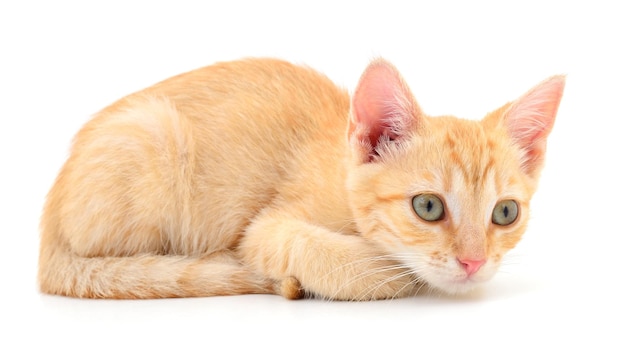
x: 382, y: 105
x: 372, y: 102
x: 531, y: 117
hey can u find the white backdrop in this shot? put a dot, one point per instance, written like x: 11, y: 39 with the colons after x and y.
x: 560, y: 291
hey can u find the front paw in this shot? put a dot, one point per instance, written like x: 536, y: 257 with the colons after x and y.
x: 290, y: 288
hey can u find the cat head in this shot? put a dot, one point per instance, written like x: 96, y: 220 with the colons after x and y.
x: 446, y: 197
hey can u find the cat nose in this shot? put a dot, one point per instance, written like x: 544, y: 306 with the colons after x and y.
x: 471, y: 266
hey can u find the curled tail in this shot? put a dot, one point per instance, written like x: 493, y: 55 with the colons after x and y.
x: 152, y: 276
x: 145, y: 276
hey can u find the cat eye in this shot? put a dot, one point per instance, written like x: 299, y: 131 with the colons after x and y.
x: 505, y: 212
x: 428, y: 207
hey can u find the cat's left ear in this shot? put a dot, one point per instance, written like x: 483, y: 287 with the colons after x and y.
x: 530, y: 118
x: 383, y: 110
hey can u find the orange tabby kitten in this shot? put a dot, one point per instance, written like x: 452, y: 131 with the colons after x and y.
x: 259, y: 176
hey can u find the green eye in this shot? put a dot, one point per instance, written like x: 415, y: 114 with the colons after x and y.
x: 505, y: 213
x: 428, y: 207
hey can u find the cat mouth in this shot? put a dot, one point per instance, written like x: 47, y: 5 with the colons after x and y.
x: 456, y: 284
x: 450, y: 279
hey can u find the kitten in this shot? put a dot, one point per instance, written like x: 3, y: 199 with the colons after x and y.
x: 259, y: 176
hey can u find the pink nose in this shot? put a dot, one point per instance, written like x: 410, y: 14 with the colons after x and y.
x: 471, y: 266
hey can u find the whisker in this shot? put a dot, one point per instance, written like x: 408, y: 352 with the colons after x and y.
x: 406, y: 271
x: 395, y: 269
x: 360, y: 261
x: 365, y: 274
x: 372, y: 290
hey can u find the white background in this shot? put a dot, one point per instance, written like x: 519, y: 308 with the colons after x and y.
x: 559, y: 292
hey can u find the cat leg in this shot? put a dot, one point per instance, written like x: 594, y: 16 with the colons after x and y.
x: 327, y: 264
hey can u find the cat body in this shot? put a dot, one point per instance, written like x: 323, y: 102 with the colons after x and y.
x: 260, y: 176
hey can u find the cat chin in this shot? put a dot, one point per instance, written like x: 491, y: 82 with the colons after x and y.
x: 456, y: 288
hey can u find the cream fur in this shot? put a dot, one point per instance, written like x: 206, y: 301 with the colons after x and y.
x: 239, y: 178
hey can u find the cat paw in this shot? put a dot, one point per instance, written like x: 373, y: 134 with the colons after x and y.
x: 290, y: 288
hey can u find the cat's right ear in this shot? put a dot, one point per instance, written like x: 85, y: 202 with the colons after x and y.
x: 383, y: 110
x: 530, y: 118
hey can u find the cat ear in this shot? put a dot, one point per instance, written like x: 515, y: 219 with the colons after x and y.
x: 383, y: 110
x: 530, y: 118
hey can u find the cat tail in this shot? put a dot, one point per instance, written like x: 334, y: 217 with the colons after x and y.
x: 147, y: 276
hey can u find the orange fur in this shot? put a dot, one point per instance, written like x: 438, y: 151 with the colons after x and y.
x: 239, y: 178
